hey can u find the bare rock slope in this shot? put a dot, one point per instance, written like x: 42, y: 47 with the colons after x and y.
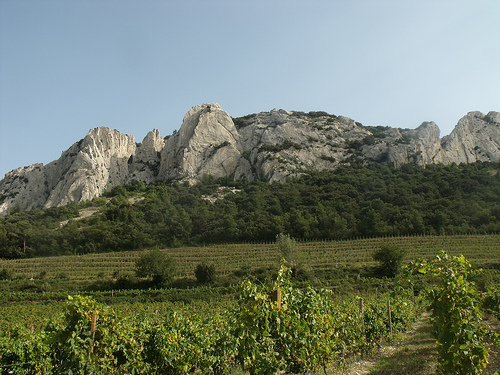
x: 269, y: 145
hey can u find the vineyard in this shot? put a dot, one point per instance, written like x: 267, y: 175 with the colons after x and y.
x: 481, y: 250
x: 301, y: 330
x: 252, y: 326
x: 268, y: 329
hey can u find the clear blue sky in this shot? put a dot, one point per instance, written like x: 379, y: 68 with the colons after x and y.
x: 134, y: 65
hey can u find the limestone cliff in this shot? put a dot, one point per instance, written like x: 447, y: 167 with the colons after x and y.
x: 475, y: 138
x: 269, y: 145
x: 205, y: 144
x: 98, y: 162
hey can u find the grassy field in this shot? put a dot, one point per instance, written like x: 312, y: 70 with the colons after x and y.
x: 480, y: 250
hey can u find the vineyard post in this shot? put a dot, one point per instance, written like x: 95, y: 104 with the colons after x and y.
x: 361, y: 306
x: 276, y: 296
x: 389, y: 315
x: 93, y: 323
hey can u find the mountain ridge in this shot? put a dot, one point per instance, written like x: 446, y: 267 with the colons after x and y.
x: 270, y: 145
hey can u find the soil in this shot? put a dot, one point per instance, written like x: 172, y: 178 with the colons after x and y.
x: 415, y: 353
x: 493, y: 351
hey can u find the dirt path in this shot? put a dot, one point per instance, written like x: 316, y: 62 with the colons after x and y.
x: 493, y: 324
x: 87, y: 212
x: 414, y: 354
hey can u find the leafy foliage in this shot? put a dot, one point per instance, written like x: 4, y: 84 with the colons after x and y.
x: 303, y: 331
x: 205, y: 273
x: 289, y: 250
x: 491, y: 301
x: 390, y: 257
x: 456, y: 317
x: 5, y: 274
x: 93, y: 339
x: 374, y: 200
x: 28, y: 352
x: 156, y: 265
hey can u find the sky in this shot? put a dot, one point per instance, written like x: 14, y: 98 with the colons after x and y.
x: 135, y: 65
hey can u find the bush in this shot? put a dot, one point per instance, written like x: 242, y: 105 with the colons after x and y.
x: 390, y: 257
x: 205, y: 273
x: 109, y: 345
x: 289, y: 251
x: 156, y: 265
x: 6, y: 274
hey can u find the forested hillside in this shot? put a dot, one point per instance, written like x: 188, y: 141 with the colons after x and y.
x: 373, y: 200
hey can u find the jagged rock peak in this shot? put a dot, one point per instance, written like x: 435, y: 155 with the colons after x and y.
x: 476, y: 137
x: 208, y: 120
x: 493, y: 117
x: 271, y: 145
x: 103, y: 140
x: 205, y: 144
x: 152, y: 143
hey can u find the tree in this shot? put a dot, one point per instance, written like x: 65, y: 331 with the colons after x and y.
x: 6, y: 274
x: 291, y: 253
x: 155, y: 265
x: 205, y: 273
x: 390, y: 257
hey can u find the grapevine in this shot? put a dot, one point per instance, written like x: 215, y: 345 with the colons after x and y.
x: 303, y: 330
x: 456, y: 317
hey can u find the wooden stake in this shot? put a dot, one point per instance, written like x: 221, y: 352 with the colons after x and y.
x: 276, y: 297
x: 93, y: 323
x: 389, y: 315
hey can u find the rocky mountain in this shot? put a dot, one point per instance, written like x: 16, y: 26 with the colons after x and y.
x: 269, y: 145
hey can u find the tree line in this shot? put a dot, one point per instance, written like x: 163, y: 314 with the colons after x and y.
x: 352, y: 201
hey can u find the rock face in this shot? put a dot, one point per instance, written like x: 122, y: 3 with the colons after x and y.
x: 98, y: 162
x: 205, y: 144
x: 475, y: 138
x: 269, y: 145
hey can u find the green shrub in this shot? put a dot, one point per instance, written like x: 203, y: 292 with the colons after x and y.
x: 156, y: 265
x: 390, y: 258
x: 6, y: 274
x: 205, y: 274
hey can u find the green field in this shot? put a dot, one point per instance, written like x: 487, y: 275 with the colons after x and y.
x: 480, y: 250
x: 198, y: 313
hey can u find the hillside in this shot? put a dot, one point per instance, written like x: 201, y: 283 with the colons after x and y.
x: 268, y: 146
x: 353, y: 201
x: 321, y: 257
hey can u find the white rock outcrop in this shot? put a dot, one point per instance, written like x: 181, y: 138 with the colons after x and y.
x: 475, y: 138
x: 269, y: 145
x: 206, y: 144
x: 144, y: 165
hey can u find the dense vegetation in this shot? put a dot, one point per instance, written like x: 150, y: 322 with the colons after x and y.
x: 328, y: 263
x: 270, y: 327
x: 456, y: 315
x: 221, y: 307
x: 354, y: 201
